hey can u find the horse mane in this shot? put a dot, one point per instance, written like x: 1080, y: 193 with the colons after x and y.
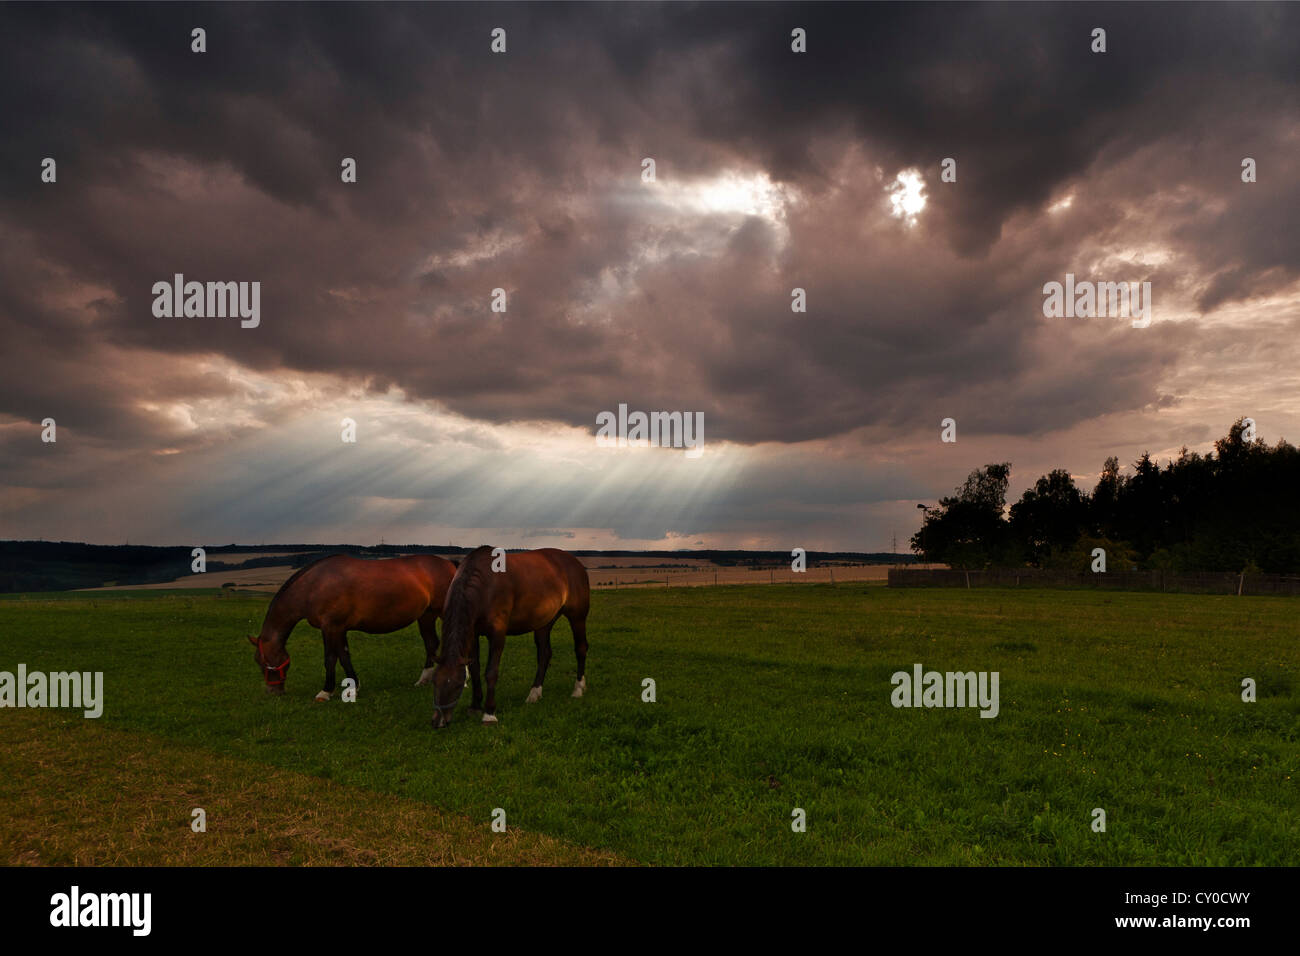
x: 465, y: 587
x: 297, y: 574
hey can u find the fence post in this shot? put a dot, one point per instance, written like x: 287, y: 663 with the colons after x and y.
x: 1240, y: 581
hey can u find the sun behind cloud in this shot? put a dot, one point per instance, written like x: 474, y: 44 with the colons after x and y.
x: 907, y: 196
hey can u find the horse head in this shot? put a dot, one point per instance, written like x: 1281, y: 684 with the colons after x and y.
x: 273, y: 662
x: 449, y: 678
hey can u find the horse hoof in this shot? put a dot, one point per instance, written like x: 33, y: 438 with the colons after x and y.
x: 426, y: 677
x: 534, y: 695
x: 489, y: 718
x: 324, y: 696
x: 580, y: 687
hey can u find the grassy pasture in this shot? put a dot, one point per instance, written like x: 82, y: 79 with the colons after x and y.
x: 769, y: 698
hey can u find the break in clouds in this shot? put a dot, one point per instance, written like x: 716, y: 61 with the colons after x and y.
x: 522, y: 172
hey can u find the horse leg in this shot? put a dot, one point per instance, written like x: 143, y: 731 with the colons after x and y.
x: 345, y: 656
x: 331, y: 638
x: 496, y: 644
x: 429, y: 631
x: 542, y: 638
x: 579, y: 625
x: 476, y: 702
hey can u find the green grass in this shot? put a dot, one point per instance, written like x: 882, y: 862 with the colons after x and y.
x: 126, y: 798
x: 769, y: 698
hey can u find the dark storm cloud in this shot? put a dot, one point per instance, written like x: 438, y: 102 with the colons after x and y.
x: 1014, y: 90
x: 479, y: 171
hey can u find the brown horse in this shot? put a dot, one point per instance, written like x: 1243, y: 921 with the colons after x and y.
x: 341, y: 593
x: 529, y: 592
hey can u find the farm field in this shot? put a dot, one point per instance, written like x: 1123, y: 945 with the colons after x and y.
x: 768, y: 698
x: 605, y: 573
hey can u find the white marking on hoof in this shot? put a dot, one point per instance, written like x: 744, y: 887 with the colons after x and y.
x: 489, y: 718
x: 426, y: 677
x: 579, y: 687
x: 324, y: 696
x: 534, y: 695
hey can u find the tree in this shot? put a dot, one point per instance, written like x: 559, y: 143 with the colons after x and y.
x: 1049, y: 517
x: 967, y: 530
x: 1236, y: 507
x: 1103, y: 506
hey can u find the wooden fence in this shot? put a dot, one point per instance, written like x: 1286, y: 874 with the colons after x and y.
x: 1202, y: 582
x: 708, y: 576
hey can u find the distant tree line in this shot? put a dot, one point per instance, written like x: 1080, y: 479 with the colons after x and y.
x: 64, y: 565
x: 1236, y: 508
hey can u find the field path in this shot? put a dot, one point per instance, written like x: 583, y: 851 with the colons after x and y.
x: 86, y: 795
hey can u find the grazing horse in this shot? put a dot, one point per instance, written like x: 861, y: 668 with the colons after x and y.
x: 341, y: 593
x: 530, y: 594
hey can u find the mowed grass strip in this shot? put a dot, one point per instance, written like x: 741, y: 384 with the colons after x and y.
x: 769, y: 698
x: 88, y: 795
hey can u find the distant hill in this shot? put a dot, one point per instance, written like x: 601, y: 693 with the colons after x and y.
x: 68, y: 565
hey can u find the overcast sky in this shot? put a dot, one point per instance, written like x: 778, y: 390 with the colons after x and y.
x: 522, y: 171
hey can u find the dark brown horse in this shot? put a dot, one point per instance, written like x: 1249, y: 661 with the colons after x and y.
x: 530, y: 593
x: 341, y: 593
